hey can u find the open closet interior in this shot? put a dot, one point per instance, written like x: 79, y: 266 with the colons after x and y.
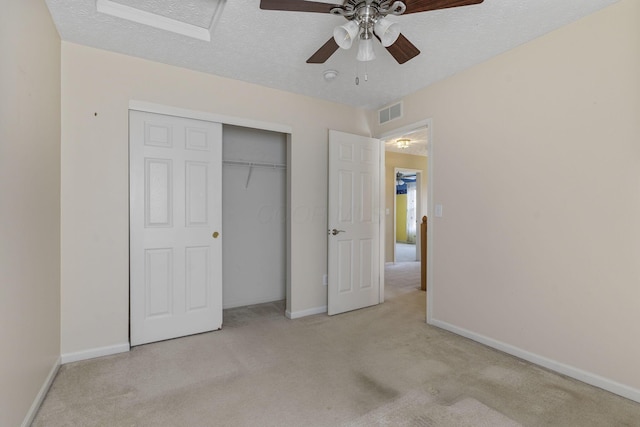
x: 253, y: 216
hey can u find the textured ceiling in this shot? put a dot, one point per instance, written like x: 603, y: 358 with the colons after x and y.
x: 270, y: 47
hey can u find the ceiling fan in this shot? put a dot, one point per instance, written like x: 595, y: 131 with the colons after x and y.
x: 366, y: 19
x: 403, y: 178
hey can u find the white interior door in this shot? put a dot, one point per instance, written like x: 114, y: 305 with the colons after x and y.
x: 354, y: 222
x: 175, y: 219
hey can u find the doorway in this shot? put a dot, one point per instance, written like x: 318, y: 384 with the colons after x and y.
x: 407, y: 210
x: 253, y: 216
x: 409, y: 148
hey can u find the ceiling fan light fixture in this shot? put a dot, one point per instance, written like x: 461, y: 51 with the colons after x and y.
x: 365, y: 50
x: 387, y: 30
x: 345, y: 34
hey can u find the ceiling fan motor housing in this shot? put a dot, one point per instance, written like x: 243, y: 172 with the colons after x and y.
x: 369, y: 16
x: 367, y: 12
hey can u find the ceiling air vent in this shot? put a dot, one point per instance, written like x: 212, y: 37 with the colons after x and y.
x: 389, y: 113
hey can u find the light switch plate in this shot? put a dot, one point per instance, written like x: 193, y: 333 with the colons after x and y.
x: 438, y: 211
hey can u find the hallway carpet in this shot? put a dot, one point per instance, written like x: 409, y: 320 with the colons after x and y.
x: 406, y: 252
x: 379, y: 366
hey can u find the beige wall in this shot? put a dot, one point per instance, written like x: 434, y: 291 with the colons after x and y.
x: 29, y: 205
x: 394, y: 160
x: 536, y: 159
x: 95, y: 282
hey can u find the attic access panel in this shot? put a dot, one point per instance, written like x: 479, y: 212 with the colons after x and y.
x: 192, y: 18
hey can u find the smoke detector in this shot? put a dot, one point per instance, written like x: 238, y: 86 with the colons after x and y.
x: 330, y: 75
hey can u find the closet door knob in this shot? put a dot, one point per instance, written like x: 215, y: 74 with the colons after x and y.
x: 215, y: 234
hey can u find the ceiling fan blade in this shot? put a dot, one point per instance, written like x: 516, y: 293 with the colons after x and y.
x: 403, y: 50
x: 297, y: 6
x: 324, y: 52
x: 414, y: 6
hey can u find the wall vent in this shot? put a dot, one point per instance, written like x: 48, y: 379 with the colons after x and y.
x: 389, y: 113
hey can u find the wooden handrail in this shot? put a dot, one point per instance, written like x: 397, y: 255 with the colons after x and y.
x: 423, y: 254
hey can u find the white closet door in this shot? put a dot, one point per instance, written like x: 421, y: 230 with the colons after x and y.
x: 175, y: 219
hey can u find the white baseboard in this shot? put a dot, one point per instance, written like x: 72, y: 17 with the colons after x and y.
x: 33, y: 410
x: 95, y: 352
x: 304, y: 313
x: 570, y: 371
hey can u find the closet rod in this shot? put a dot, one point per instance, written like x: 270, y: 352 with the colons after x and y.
x: 254, y: 164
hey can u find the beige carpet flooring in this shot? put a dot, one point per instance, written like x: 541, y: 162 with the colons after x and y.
x: 380, y: 366
x: 405, y: 252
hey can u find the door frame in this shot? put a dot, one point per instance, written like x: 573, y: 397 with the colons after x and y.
x: 167, y: 110
x: 428, y: 124
x: 418, y: 210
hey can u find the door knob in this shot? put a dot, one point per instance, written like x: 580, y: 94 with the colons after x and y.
x: 215, y: 234
x: 334, y: 231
